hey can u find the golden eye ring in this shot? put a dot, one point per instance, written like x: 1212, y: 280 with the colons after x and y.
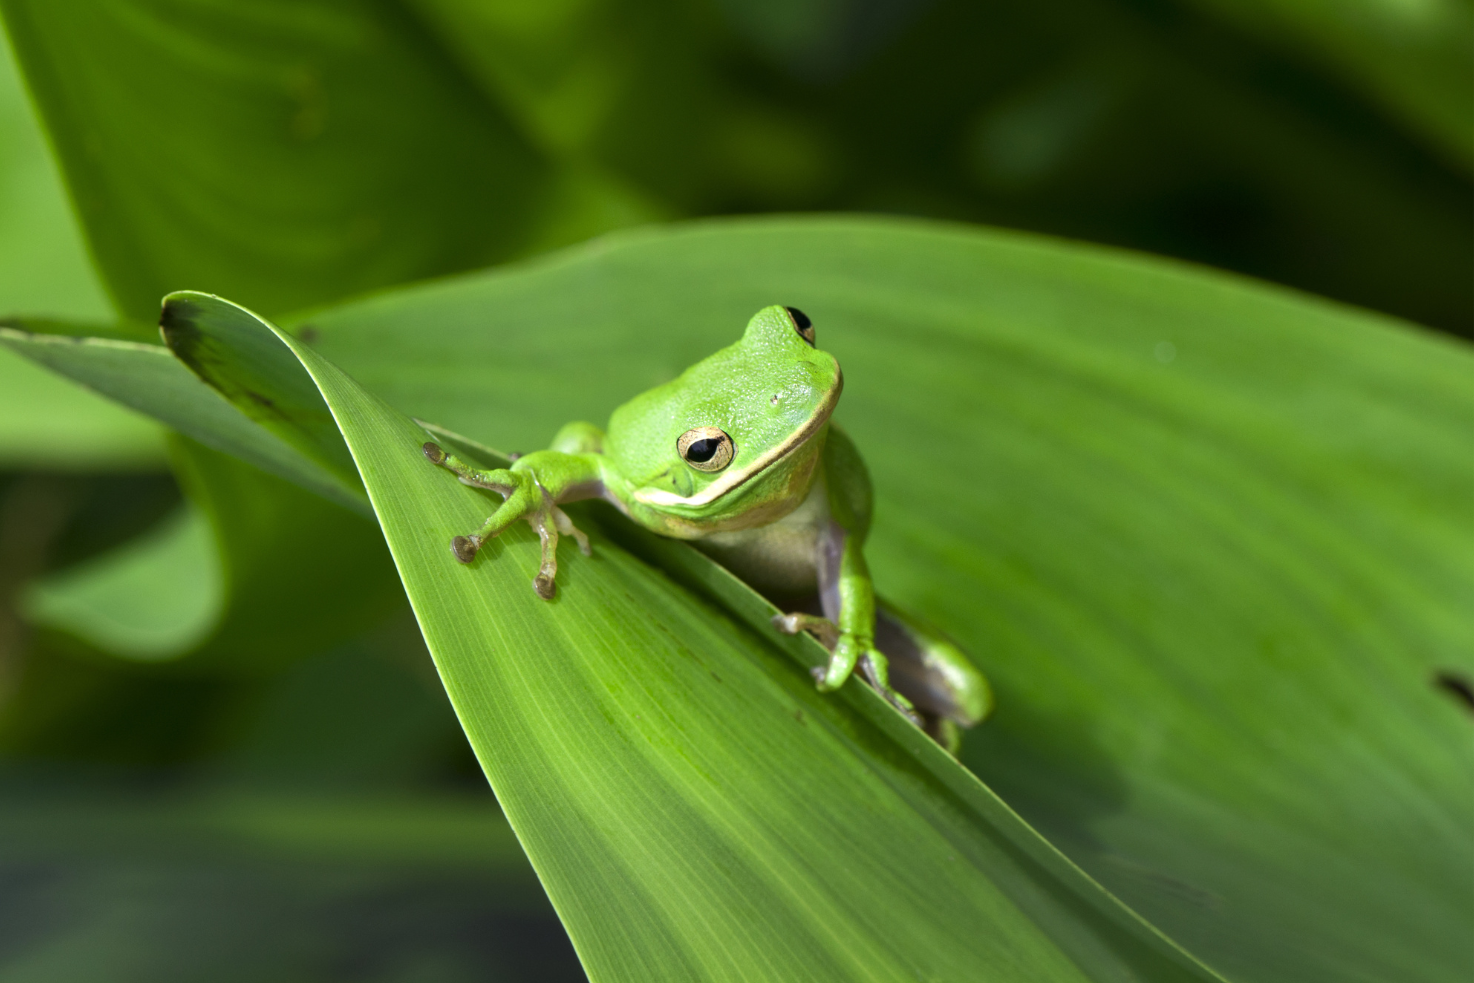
x: 706, y: 449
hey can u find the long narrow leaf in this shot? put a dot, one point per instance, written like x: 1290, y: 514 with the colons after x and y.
x: 148, y: 378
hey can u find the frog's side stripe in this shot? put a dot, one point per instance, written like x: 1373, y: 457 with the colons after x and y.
x: 724, y: 484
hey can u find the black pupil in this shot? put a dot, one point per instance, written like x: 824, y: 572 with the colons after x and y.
x: 800, y: 318
x: 702, y: 450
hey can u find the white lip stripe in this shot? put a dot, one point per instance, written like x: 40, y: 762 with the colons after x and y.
x: 724, y: 484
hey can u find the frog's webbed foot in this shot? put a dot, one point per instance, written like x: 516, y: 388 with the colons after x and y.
x: 846, y: 652
x: 523, y: 498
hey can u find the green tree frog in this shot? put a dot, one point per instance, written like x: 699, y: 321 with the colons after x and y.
x: 738, y: 455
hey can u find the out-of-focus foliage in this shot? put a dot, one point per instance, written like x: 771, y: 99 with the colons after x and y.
x: 1413, y: 60
x: 45, y: 422
x: 156, y: 597
x: 371, y: 160
x: 1156, y: 125
x: 109, y: 882
x: 1321, y: 145
x: 294, y: 152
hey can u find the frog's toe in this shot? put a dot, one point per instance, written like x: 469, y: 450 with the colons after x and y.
x: 874, y: 668
x: 566, y: 527
x: 433, y: 452
x: 546, y: 586
x: 841, y: 665
x: 788, y: 624
x: 465, y: 547
x: 822, y: 628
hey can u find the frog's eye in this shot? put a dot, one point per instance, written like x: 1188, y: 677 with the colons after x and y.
x: 705, y: 448
x: 802, y: 324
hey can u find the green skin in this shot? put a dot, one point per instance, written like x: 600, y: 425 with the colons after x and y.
x: 777, y: 493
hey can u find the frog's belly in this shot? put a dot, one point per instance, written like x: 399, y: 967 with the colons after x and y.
x: 779, y: 559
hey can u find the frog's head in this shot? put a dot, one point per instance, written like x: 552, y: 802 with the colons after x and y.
x: 694, y: 446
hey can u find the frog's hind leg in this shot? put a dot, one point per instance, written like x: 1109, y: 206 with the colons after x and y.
x: 934, y: 674
x: 872, y: 663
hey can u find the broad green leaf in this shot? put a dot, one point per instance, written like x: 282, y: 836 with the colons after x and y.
x: 1210, y: 540
x: 658, y: 760
x: 285, y: 153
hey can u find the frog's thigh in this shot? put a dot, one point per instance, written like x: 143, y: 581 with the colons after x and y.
x: 828, y: 552
x: 931, y: 671
x: 579, y: 437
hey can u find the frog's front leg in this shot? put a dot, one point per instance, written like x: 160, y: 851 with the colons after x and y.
x: 531, y: 489
x: 850, y: 637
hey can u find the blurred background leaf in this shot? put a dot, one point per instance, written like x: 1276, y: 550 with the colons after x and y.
x: 1412, y: 60
x: 286, y: 153
x: 1134, y: 123
x: 339, y: 145
x: 157, y: 596
x: 46, y: 423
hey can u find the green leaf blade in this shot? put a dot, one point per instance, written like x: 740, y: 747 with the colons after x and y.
x: 149, y: 379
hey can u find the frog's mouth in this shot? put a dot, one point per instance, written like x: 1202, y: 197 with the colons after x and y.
x: 661, y: 498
